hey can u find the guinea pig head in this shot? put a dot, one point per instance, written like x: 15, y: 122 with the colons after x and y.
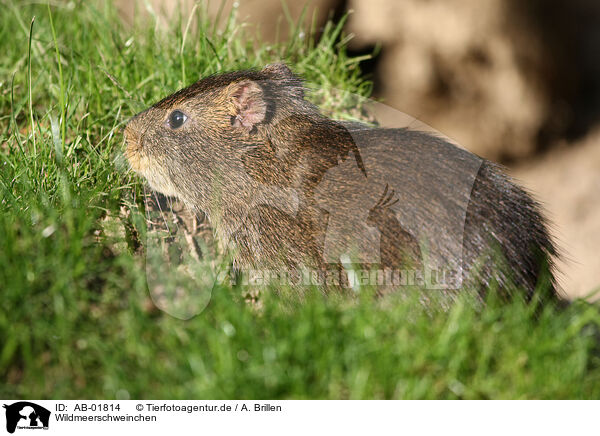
x: 193, y: 144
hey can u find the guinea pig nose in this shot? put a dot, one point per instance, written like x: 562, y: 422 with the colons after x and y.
x: 128, y: 132
x: 132, y: 135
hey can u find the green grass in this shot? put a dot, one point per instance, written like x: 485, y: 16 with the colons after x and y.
x: 76, y: 319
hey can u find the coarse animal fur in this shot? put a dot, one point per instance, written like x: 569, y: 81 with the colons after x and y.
x: 288, y: 188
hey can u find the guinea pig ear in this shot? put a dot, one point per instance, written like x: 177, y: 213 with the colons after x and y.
x: 248, y: 104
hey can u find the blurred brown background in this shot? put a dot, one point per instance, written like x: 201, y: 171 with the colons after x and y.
x: 514, y: 81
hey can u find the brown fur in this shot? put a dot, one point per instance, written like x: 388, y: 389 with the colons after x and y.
x: 286, y: 186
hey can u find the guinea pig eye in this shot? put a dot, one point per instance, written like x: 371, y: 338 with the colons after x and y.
x: 176, y: 119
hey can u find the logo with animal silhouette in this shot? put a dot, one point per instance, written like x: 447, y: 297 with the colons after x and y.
x: 26, y: 415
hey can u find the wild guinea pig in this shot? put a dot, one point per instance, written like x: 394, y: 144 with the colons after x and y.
x: 291, y: 190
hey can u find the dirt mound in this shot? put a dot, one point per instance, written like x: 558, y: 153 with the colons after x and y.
x: 567, y: 181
